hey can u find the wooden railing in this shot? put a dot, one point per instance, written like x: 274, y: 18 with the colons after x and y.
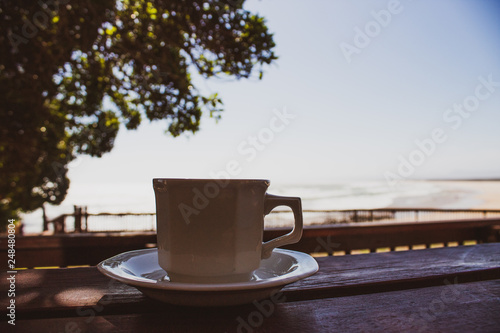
x: 374, y: 236
x: 82, y: 221
x: 64, y: 250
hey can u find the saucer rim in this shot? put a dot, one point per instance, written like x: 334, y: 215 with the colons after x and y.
x: 307, y: 267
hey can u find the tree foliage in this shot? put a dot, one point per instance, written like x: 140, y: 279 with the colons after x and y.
x: 62, y: 63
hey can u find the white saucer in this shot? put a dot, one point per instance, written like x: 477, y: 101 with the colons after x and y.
x: 140, y: 269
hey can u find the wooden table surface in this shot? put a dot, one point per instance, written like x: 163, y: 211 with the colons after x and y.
x: 453, y: 289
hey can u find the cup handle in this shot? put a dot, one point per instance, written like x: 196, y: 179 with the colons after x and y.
x: 273, y: 201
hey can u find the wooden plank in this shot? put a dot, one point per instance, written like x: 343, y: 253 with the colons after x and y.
x: 471, y: 307
x: 58, y: 292
x: 354, y: 236
x: 74, y: 249
x: 75, y: 240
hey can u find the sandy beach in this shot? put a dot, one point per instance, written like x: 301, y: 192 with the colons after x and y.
x: 487, y: 192
x: 456, y: 194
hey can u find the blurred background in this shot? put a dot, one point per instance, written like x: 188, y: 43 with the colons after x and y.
x: 370, y: 104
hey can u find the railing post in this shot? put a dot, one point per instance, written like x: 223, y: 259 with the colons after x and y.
x: 60, y: 224
x: 45, y: 221
x: 78, y: 218
x: 355, y: 216
x: 86, y: 214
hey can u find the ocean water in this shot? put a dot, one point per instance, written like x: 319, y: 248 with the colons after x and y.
x: 355, y: 195
x: 139, y: 198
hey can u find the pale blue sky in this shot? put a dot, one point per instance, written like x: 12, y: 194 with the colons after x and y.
x: 352, y: 120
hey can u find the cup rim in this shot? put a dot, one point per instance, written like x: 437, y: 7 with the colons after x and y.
x: 212, y: 179
x: 164, y: 181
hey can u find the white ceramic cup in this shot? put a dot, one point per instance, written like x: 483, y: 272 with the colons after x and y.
x: 210, y: 230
